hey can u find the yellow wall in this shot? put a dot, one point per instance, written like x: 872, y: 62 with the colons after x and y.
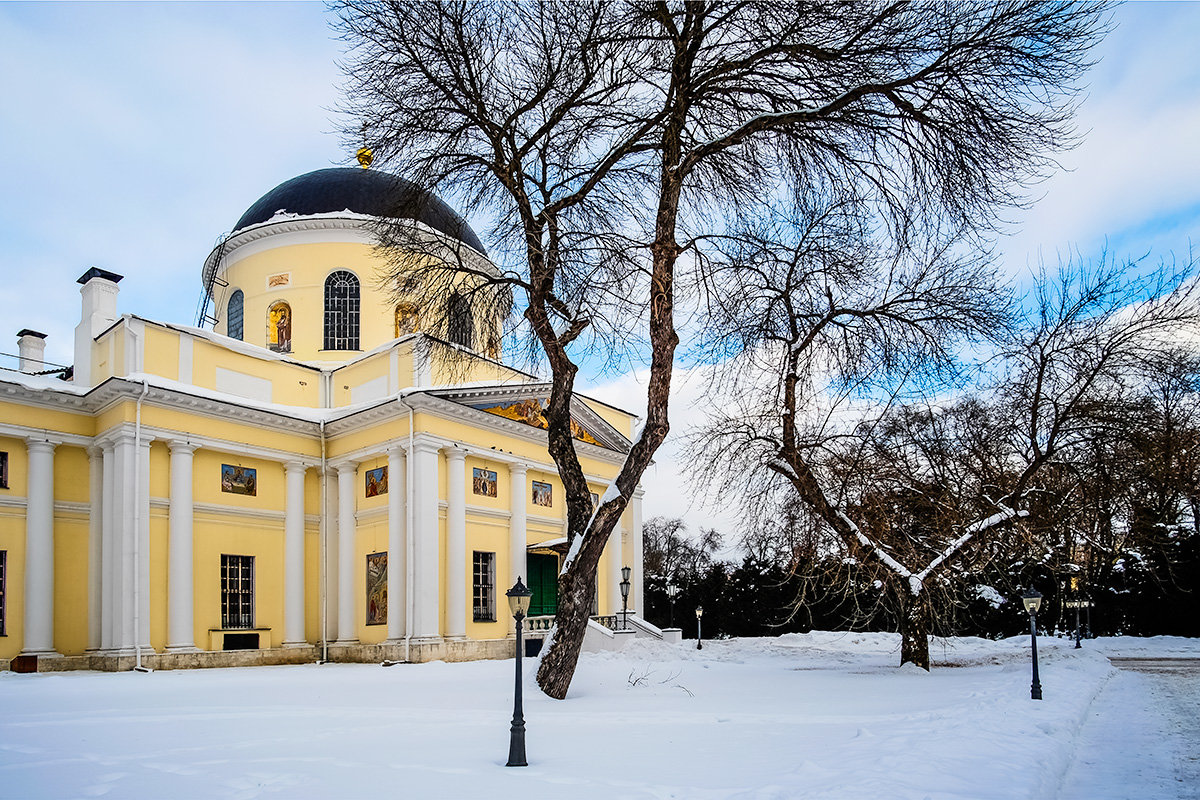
x: 161, y: 352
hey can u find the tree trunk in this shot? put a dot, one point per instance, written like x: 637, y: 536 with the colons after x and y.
x: 914, y: 631
x: 570, y: 623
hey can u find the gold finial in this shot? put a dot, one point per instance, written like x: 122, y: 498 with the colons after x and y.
x: 365, y: 157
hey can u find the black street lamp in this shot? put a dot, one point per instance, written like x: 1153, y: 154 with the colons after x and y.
x: 672, y: 593
x: 625, y: 598
x: 518, y: 602
x: 699, y: 614
x: 1033, y: 601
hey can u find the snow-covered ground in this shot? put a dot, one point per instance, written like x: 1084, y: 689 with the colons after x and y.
x: 821, y: 715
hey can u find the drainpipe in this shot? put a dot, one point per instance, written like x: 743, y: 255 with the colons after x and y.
x: 137, y: 529
x: 324, y: 555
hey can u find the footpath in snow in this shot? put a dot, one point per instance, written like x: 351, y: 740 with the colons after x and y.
x: 821, y: 715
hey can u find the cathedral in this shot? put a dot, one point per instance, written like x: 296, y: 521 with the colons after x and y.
x: 322, y: 469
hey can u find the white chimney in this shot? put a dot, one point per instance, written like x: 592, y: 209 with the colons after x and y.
x: 31, y: 347
x: 99, y: 312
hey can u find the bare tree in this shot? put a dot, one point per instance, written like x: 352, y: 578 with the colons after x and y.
x: 919, y: 492
x: 610, y: 139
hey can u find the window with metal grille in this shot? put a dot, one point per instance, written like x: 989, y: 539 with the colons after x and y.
x: 3, y: 470
x: 460, y: 327
x: 3, y: 592
x: 483, y: 590
x: 233, y: 315
x: 237, y: 592
x: 341, y: 311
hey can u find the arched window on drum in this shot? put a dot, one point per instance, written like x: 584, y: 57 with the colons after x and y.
x: 341, y: 311
x: 279, y: 327
x: 460, y: 326
x: 233, y: 315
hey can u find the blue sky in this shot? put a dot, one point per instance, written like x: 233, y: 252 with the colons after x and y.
x: 133, y: 135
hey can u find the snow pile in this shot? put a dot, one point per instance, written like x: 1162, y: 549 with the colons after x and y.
x: 819, y: 715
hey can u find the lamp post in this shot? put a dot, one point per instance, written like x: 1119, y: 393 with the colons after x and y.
x: 699, y: 614
x: 518, y: 602
x: 625, y: 598
x: 1032, y: 599
x: 672, y: 593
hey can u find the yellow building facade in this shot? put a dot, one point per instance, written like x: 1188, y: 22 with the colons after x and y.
x: 324, y: 474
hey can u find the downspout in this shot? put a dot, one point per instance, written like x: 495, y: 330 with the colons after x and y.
x: 137, y: 529
x: 324, y: 556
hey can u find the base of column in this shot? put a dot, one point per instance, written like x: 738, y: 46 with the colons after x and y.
x: 343, y: 642
x: 426, y: 640
x: 297, y: 644
x: 116, y: 652
x: 42, y: 653
x: 182, y: 648
x: 456, y: 637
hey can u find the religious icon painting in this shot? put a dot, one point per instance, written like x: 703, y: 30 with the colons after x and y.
x: 239, y: 480
x: 483, y: 482
x: 543, y: 494
x: 377, y: 481
x: 377, y: 588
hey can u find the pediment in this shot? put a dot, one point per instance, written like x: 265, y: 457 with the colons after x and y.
x: 527, y: 404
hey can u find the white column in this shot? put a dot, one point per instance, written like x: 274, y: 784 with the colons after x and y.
x: 122, y: 544
x: 518, y: 539
x: 397, y: 552
x: 293, y: 556
x: 456, y: 544
x: 143, y: 544
x: 615, y: 563
x: 39, y: 550
x: 635, y: 594
x: 107, y: 536
x: 423, y: 461
x: 95, y: 543
x: 346, y: 561
x: 181, y: 635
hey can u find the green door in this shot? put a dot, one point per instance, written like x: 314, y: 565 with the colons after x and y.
x: 543, y: 582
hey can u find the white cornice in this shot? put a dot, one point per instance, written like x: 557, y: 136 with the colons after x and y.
x: 359, y: 224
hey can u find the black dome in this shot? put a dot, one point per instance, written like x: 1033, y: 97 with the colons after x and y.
x: 361, y: 191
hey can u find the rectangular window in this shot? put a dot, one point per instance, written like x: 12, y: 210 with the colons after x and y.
x: 543, y: 494
x: 3, y: 470
x: 483, y: 590
x: 237, y: 592
x: 3, y: 592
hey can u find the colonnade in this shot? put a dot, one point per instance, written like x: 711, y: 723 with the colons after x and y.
x: 119, y: 545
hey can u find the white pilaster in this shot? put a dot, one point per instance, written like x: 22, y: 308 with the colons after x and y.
x: 346, y: 561
x: 397, y: 552
x: 39, y: 550
x: 293, y: 556
x: 456, y: 544
x: 142, y: 476
x: 181, y: 636
x: 518, y: 539
x: 636, y: 594
x: 423, y: 461
x: 95, y: 544
x: 107, y: 551
x: 121, y: 596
